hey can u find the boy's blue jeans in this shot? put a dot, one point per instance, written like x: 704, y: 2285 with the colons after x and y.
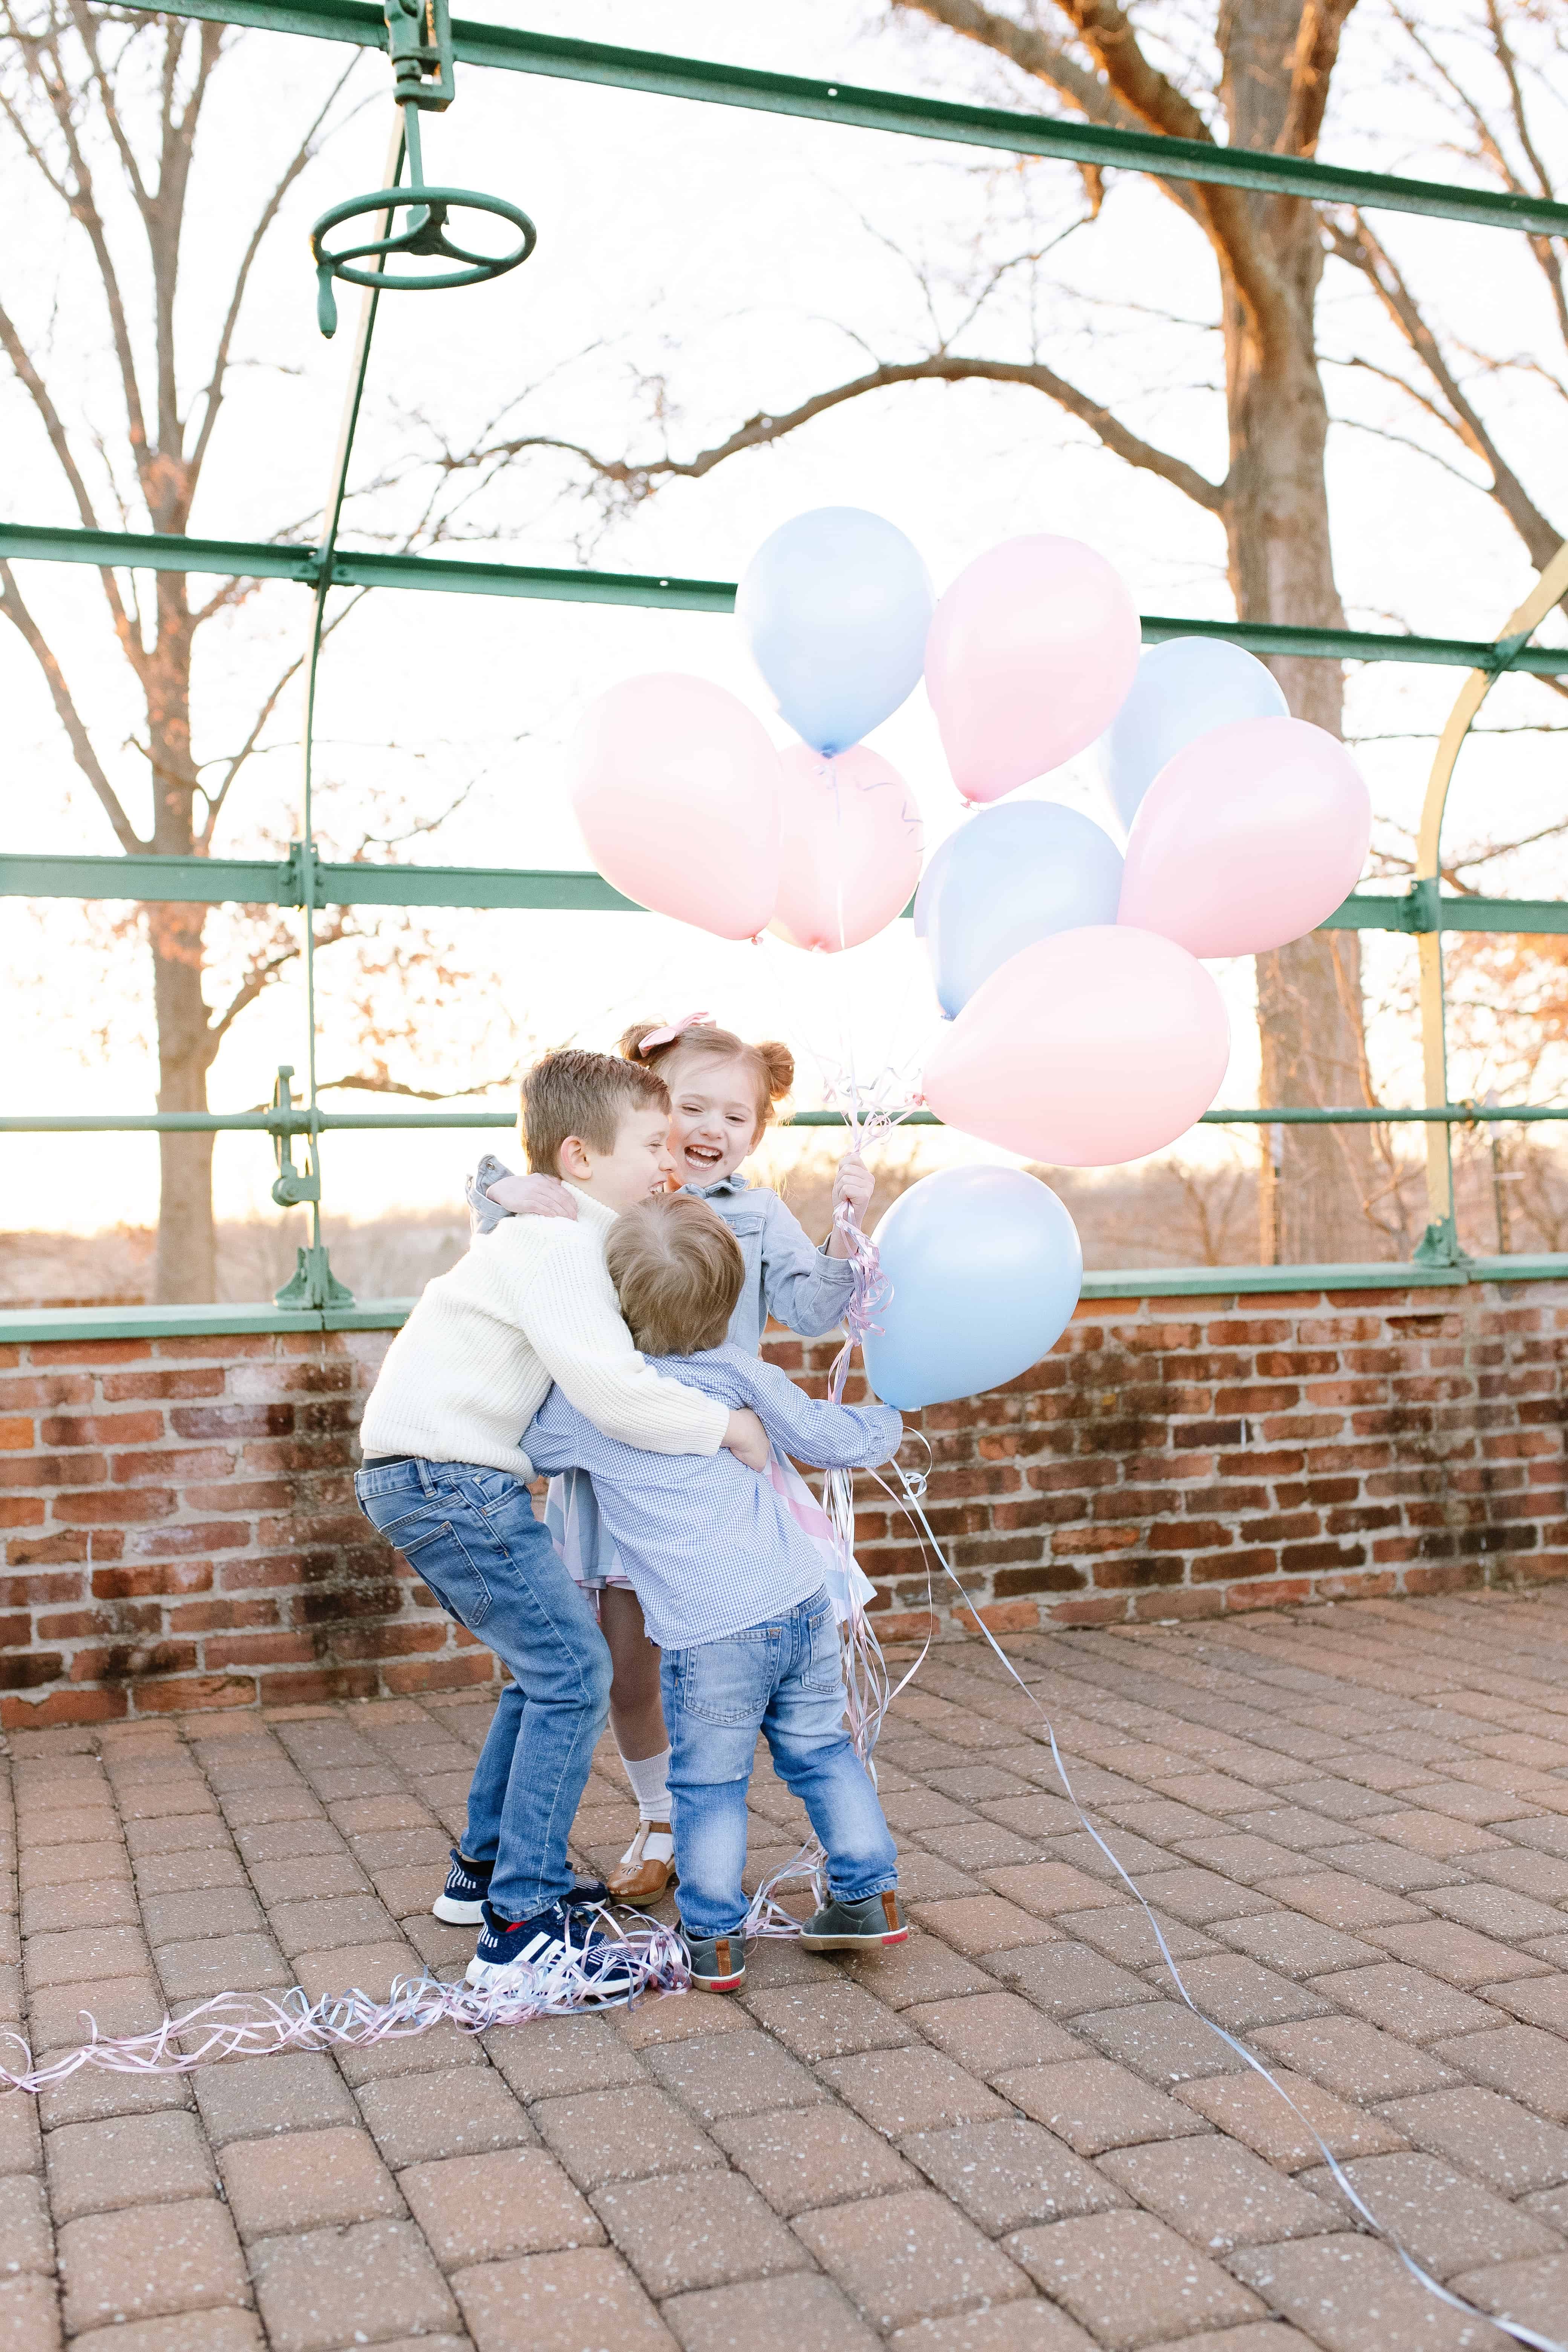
x: 784, y: 1679
x: 472, y: 1536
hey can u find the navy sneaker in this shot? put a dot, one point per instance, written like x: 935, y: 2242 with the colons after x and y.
x: 550, y: 1937
x: 588, y: 1894
x: 461, y: 1901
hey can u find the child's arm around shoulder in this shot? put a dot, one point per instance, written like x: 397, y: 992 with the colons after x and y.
x: 832, y: 1436
x: 493, y: 1194
x: 560, y: 1297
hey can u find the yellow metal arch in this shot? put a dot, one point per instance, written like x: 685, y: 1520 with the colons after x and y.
x: 1549, y: 589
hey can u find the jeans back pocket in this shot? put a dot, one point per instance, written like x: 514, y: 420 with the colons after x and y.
x: 729, y: 1682
x: 435, y: 1551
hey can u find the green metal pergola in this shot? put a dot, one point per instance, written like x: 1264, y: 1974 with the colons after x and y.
x: 424, y: 47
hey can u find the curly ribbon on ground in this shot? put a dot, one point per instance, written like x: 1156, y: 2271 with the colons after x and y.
x: 255, y: 2025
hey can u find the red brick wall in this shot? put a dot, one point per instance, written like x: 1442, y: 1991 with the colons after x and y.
x: 177, y: 1525
x: 178, y: 1529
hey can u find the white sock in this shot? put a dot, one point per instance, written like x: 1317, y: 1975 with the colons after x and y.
x: 649, y: 1777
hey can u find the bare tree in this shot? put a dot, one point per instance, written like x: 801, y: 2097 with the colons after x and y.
x: 86, y: 88
x: 1259, y: 73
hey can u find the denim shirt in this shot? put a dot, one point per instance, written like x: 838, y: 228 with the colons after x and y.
x: 787, y: 1275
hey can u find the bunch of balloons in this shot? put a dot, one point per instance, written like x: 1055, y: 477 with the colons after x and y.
x: 1084, y: 1029
x: 1081, y: 1026
x: 684, y: 803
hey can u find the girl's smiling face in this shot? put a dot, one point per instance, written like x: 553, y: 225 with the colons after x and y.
x: 714, y: 1122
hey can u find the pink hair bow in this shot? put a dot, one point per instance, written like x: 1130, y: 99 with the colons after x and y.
x: 656, y: 1037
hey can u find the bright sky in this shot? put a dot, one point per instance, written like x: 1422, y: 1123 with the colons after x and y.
x: 746, y: 260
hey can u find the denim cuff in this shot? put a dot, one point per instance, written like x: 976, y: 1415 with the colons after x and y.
x: 885, y: 1883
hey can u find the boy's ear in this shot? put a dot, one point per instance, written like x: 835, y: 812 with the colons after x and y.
x: 573, y: 1160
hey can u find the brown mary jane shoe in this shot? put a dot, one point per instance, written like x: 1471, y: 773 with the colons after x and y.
x: 639, y: 1879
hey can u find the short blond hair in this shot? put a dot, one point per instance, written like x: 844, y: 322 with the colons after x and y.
x: 678, y: 1272
x: 586, y: 1094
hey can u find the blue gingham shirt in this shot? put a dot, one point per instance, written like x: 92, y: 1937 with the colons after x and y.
x: 787, y: 1275
x: 710, y: 1547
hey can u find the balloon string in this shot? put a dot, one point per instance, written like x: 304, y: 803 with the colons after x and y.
x: 912, y: 1504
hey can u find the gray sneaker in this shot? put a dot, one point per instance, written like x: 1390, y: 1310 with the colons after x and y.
x: 718, y: 1963
x: 874, y: 1920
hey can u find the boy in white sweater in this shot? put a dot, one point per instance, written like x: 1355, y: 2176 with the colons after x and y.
x: 446, y: 1480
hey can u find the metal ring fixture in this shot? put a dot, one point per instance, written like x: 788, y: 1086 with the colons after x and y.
x: 426, y: 235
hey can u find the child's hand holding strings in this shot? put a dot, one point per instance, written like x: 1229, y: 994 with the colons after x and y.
x: 853, y: 1184
x: 532, y: 1196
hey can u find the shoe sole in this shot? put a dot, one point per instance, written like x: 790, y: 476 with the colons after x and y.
x: 645, y: 1902
x: 720, y: 1984
x: 854, y: 1943
x: 457, y: 1914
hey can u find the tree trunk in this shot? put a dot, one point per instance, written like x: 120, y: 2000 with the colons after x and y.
x: 185, y: 1265
x: 187, y: 1261
x: 1318, y: 1181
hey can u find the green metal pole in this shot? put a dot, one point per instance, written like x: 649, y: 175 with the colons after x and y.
x: 313, y: 1283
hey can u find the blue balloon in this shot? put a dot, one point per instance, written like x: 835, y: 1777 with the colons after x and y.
x: 836, y: 606
x: 1013, y: 875
x: 1183, y: 689
x: 985, y: 1268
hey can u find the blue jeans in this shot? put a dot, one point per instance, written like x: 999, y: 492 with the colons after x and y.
x: 784, y: 1679
x: 469, y: 1533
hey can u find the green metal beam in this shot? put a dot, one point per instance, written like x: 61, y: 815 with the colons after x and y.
x: 1019, y: 133
x: 458, y: 575
x: 40, y: 1326
x: 279, y: 882
x: 302, y: 1120
x: 273, y: 882
x: 272, y: 559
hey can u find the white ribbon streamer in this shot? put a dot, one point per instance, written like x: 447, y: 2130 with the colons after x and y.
x: 255, y: 2025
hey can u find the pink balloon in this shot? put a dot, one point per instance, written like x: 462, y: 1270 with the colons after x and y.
x: 676, y: 787
x: 1084, y: 1049
x: 849, y: 848
x: 1030, y: 655
x: 1246, y: 838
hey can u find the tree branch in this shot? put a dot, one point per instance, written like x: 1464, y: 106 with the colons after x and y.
x: 376, y: 1082
x: 1362, y: 250
x: 639, y: 482
x: 213, y: 394
x: 1140, y: 91
x: 38, y: 390
x: 83, y: 203
x: 216, y: 800
x: 86, y: 33
x: 1317, y: 54
x: 263, y: 971
x: 1544, y: 247
x: 86, y: 759
x: 1489, y: 147
x: 260, y: 977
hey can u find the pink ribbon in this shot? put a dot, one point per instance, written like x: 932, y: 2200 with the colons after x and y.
x: 656, y: 1037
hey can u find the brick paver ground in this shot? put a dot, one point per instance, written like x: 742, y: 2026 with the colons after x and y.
x: 1007, y: 2137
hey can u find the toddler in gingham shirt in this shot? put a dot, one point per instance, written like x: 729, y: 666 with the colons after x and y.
x: 732, y: 1590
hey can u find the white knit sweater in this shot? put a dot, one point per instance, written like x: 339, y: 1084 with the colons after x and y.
x: 530, y: 1304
